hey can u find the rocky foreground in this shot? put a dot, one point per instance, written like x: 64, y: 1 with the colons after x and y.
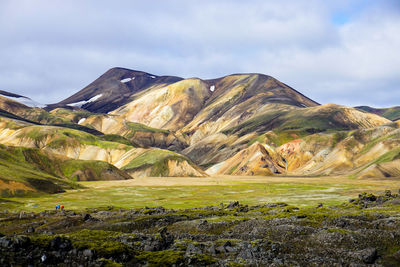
x: 363, y: 232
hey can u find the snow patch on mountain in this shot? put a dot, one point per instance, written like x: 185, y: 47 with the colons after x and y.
x: 126, y: 80
x: 81, y: 103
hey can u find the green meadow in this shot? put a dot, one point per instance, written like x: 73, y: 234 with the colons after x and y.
x: 180, y: 193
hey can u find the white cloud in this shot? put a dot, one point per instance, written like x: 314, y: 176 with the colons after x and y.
x: 51, y: 49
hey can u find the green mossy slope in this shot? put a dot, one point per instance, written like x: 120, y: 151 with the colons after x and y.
x: 28, y: 170
x: 157, y: 159
x: 56, y: 137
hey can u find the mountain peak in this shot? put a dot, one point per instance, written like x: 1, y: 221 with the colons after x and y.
x: 113, y: 89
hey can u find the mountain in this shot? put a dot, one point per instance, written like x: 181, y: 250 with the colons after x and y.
x: 113, y: 89
x: 257, y: 159
x: 21, y: 99
x: 129, y: 124
x: 364, y: 153
x: 189, y: 103
x: 392, y: 113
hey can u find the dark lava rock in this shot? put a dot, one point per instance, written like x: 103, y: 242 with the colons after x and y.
x: 30, y: 230
x: 367, y: 197
x: 86, y: 216
x: 22, y: 241
x: 212, y: 250
x: 88, y: 253
x: 396, y: 255
x: 369, y: 255
x: 60, y: 243
x: 233, y: 204
x: 5, y: 242
x: 192, y: 249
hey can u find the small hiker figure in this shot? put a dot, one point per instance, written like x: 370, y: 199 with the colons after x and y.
x: 57, y: 207
x: 62, y: 207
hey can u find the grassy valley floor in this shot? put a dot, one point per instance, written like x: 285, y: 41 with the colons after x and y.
x: 121, y: 223
x: 184, y: 192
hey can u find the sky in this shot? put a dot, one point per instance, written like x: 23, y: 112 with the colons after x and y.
x: 333, y: 51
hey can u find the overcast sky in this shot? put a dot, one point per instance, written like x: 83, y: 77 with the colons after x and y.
x: 340, y: 51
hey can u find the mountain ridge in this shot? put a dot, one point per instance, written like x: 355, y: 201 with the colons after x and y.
x: 239, y: 124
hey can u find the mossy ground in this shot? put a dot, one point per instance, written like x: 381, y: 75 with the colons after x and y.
x: 161, y: 258
x: 186, y: 237
x: 102, y: 241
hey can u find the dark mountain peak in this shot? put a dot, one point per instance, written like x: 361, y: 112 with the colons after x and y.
x: 113, y: 89
x: 118, y: 72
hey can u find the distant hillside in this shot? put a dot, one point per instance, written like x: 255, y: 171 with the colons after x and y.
x: 21, y: 99
x: 392, y: 113
x: 112, y: 149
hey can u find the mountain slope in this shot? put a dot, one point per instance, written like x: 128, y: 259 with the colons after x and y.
x: 237, y: 98
x: 170, y: 107
x: 159, y: 162
x: 136, y: 133
x: 363, y: 153
x: 392, y: 113
x: 19, y: 177
x: 21, y: 99
x: 313, y: 119
x: 257, y: 159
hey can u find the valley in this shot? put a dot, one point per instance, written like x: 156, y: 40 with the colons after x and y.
x: 186, y: 192
x: 177, y: 221
x: 240, y: 170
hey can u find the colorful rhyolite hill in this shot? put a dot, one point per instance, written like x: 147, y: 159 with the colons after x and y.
x: 129, y: 123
